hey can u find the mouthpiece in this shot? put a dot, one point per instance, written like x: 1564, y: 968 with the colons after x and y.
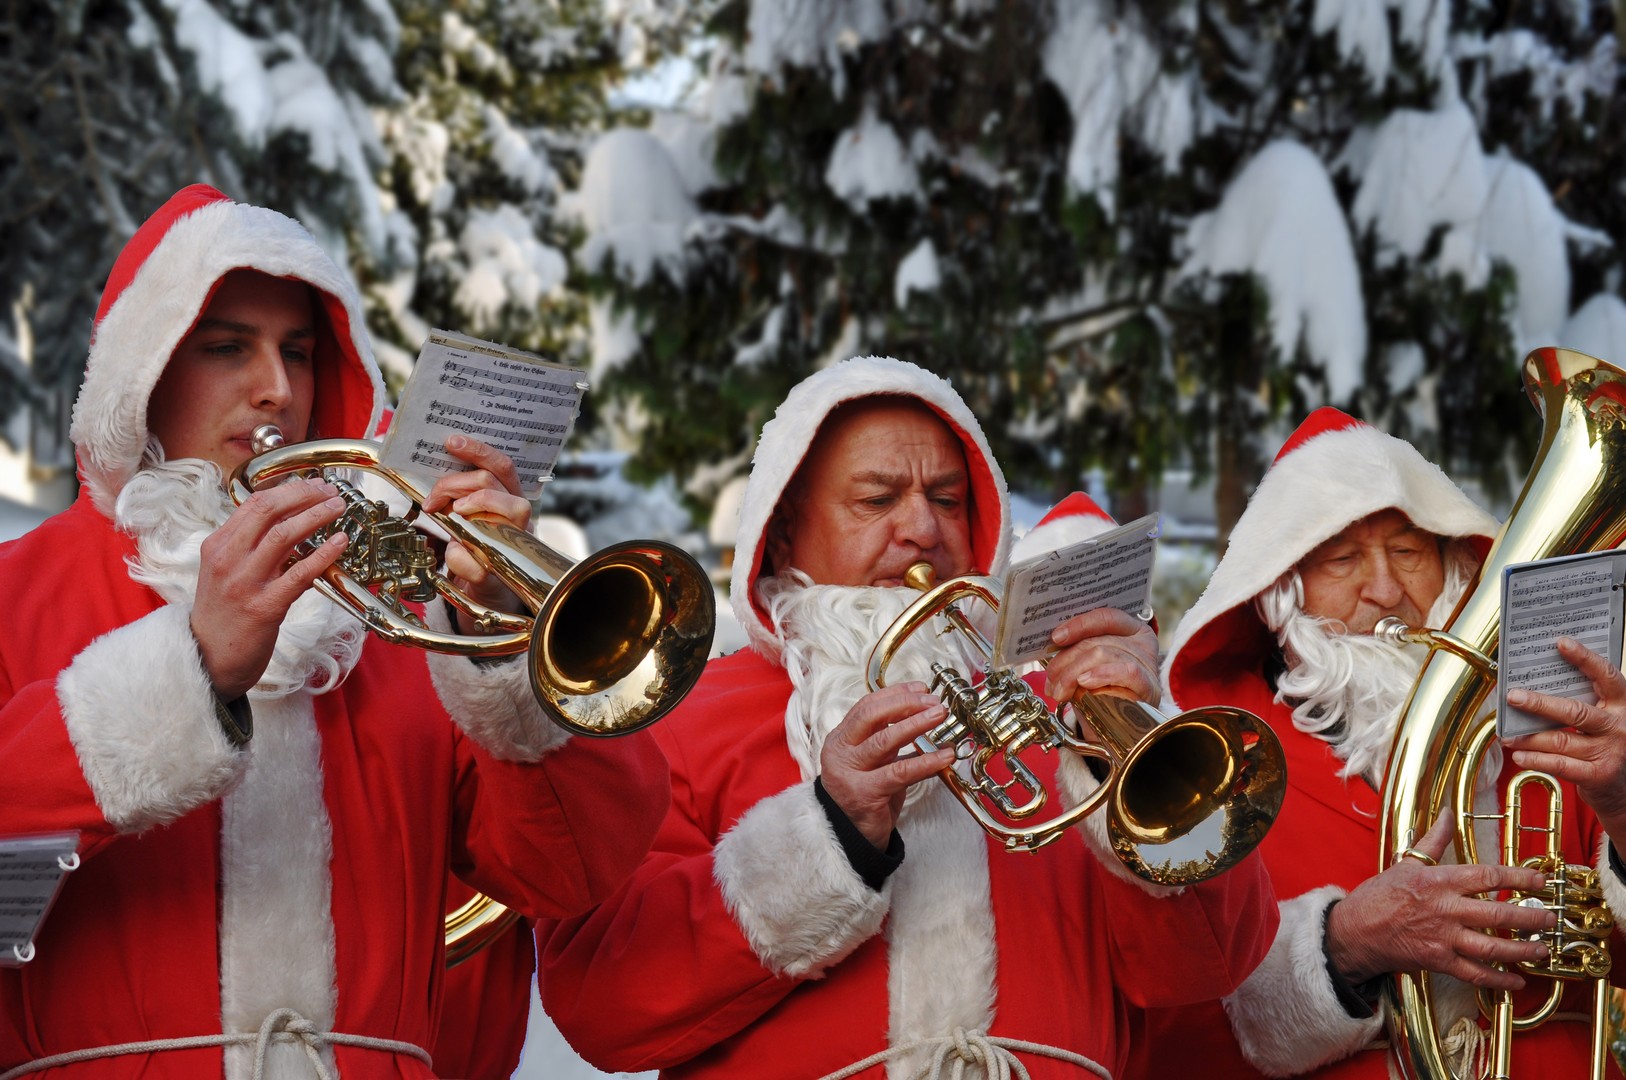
x: 266, y: 437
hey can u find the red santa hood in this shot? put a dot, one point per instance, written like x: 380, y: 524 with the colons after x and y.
x: 160, y: 285
x: 1076, y: 518
x: 1333, y: 471
x: 785, y: 441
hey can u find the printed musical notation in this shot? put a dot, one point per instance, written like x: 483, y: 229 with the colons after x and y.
x: 1110, y: 570
x: 31, y: 871
x: 519, y: 403
x: 1573, y: 596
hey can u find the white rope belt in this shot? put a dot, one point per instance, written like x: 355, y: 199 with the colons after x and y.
x: 963, y: 1048
x: 284, y: 1026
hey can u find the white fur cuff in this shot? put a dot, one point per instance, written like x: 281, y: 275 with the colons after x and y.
x: 1614, y: 890
x: 1079, y: 783
x: 1286, y: 1016
x: 492, y: 703
x: 141, y: 714
x: 790, y: 887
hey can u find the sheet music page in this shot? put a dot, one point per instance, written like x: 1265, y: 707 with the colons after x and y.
x: 1110, y: 570
x: 31, y: 872
x: 518, y: 402
x: 1578, y: 596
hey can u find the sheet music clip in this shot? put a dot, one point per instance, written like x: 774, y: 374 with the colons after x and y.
x: 32, y: 869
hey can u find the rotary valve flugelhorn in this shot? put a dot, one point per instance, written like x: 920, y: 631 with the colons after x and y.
x: 1215, y: 773
x: 613, y: 642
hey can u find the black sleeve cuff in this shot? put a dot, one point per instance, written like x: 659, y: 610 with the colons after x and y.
x: 868, y: 861
x: 1360, y: 1002
x: 1615, y: 864
x: 236, y: 720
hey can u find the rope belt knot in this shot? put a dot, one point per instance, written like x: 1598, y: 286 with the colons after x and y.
x: 287, y: 1025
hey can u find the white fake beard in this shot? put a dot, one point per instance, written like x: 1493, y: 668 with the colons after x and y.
x: 1348, y: 689
x: 828, y: 632
x: 170, y: 508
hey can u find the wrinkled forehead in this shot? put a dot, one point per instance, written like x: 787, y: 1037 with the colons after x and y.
x: 1375, y: 528
x: 841, y: 442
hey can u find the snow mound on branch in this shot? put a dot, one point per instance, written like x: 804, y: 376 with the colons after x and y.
x: 1598, y: 328
x: 307, y: 105
x: 634, y: 207
x: 918, y: 272
x: 507, y: 264
x: 810, y: 33
x: 1362, y: 27
x: 1281, y: 221
x: 869, y: 162
x: 1520, y: 226
x: 1423, y: 170
x: 228, y: 66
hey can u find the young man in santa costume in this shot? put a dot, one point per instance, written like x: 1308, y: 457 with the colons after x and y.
x: 779, y: 929
x: 1348, y: 526
x: 268, y: 804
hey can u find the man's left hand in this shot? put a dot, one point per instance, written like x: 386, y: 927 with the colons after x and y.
x: 491, y: 490
x: 1590, y: 749
x: 1105, y: 651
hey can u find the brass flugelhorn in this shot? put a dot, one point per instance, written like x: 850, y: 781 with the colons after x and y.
x: 1215, y: 775
x: 1573, y: 500
x: 614, y: 641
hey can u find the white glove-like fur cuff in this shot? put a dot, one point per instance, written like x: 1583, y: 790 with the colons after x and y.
x: 492, y: 703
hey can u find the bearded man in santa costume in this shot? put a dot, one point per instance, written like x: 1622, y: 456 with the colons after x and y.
x: 779, y: 928
x: 268, y: 804
x: 1348, y: 526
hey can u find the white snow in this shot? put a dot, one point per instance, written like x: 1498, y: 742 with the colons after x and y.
x: 506, y: 264
x: 807, y: 33
x: 612, y: 334
x: 228, y: 65
x: 1103, y: 65
x: 514, y: 156
x: 869, y: 162
x: 634, y: 207
x: 1362, y: 27
x: 1521, y: 227
x: 1423, y: 170
x: 1280, y: 220
x: 918, y: 272
x: 1598, y: 328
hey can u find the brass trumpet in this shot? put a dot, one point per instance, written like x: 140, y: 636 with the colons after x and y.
x: 1166, y: 777
x: 614, y: 642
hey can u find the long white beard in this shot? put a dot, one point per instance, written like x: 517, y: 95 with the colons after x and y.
x: 828, y: 632
x: 1348, y: 689
x: 170, y: 508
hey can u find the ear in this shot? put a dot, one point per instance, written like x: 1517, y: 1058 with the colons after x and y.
x: 776, y: 544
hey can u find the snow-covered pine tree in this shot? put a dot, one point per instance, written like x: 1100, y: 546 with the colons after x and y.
x: 1130, y: 232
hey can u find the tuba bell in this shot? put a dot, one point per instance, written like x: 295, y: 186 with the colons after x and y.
x: 1573, y: 501
x: 613, y: 642
x: 1213, y: 775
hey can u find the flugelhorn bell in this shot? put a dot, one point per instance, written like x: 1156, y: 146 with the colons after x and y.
x: 1213, y: 778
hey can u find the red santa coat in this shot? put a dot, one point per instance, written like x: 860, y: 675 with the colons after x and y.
x: 309, y: 870
x: 746, y: 945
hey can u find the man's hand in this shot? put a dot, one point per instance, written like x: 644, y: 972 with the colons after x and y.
x: 860, y: 765
x: 1105, y: 651
x: 490, y: 489
x: 245, y: 582
x: 1590, y: 751
x: 1417, y: 917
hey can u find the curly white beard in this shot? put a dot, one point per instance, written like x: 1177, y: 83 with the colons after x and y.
x: 1348, y: 689
x: 828, y: 632
x: 170, y: 508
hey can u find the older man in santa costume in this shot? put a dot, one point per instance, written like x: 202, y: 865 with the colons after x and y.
x: 267, y: 803
x: 779, y: 928
x: 1348, y: 526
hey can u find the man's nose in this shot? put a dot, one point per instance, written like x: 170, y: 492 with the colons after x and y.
x: 272, y: 390
x: 1383, y: 586
x: 917, y: 524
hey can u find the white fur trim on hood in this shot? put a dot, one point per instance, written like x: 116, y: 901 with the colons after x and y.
x: 785, y: 441
x: 1309, y: 496
x: 162, y: 300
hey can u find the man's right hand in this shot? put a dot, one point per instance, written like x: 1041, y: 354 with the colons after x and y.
x: 245, y: 582
x: 859, y: 762
x: 1417, y: 917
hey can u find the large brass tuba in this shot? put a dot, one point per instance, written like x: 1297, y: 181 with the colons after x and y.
x: 1574, y: 500
x: 1214, y: 777
x: 614, y: 642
